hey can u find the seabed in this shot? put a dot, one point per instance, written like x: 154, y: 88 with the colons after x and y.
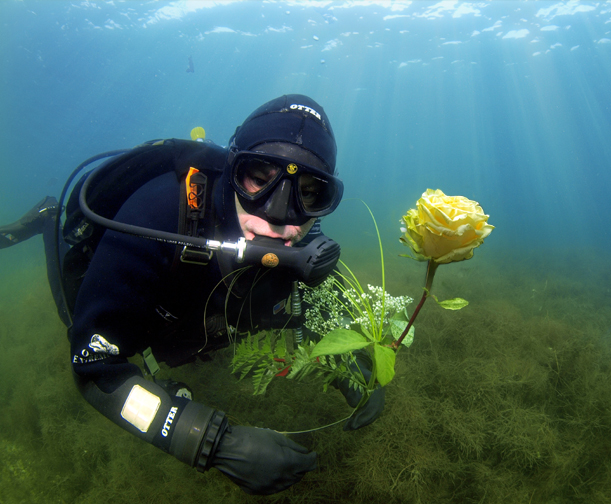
x: 507, y: 400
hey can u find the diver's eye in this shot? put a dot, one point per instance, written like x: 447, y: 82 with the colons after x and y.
x: 255, y: 176
x: 310, y: 188
x: 256, y: 181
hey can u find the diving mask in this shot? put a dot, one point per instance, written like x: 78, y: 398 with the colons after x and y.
x: 282, y: 191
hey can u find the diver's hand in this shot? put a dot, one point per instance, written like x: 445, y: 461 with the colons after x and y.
x: 372, y: 409
x: 367, y: 413
x: 262, y: 461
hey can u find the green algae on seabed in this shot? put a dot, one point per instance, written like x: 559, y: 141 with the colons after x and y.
x: 508, y: 400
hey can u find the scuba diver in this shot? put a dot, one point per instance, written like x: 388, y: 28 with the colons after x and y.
x: 172, y: 249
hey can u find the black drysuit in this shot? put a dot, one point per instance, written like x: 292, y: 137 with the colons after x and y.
x: 136, y: 295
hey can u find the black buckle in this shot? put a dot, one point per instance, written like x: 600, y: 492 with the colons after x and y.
x: 195, y: 256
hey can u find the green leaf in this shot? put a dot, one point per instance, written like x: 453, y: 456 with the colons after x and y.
x: 398, y: 323
x: 397, y: 331
x: 339, y: 341
x: 451, y: 304
x: 385, y: 363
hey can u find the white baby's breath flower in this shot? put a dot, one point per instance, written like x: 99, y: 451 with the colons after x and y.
x: 329, y: 308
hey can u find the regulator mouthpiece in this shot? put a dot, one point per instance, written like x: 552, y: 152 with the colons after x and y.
x: 310, y: 264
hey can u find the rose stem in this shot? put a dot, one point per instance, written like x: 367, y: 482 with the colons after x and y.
x: 430, y: 274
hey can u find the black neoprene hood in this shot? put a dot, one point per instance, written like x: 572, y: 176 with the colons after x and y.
x: 294, y: 119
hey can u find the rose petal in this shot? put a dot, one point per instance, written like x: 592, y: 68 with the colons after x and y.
x: 445, y: 228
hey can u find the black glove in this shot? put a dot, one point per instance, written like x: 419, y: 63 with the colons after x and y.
x: 261, y: 461
x: 372, y: 409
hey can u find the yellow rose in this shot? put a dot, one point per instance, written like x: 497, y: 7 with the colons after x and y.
x: 445, y: 228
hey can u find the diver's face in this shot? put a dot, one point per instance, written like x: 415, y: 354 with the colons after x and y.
x: 252, y: 226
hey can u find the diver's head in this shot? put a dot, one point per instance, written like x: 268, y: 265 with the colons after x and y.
x: 281, y: 166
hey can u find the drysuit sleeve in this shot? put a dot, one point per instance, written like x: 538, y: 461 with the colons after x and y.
x: 115, y: 317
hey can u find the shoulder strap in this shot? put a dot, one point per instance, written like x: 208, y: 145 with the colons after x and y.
x: 195, y: 215
x: 122, y: 176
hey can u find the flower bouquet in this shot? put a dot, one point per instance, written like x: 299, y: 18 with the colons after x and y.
x: 441, y: 229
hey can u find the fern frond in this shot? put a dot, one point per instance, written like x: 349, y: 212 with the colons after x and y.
x: 256, y: 354
x: 247, y: 367
x: 262, y: 377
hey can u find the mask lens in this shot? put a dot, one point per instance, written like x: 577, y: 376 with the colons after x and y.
x: 254, y: 175
x: 316, y: 193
